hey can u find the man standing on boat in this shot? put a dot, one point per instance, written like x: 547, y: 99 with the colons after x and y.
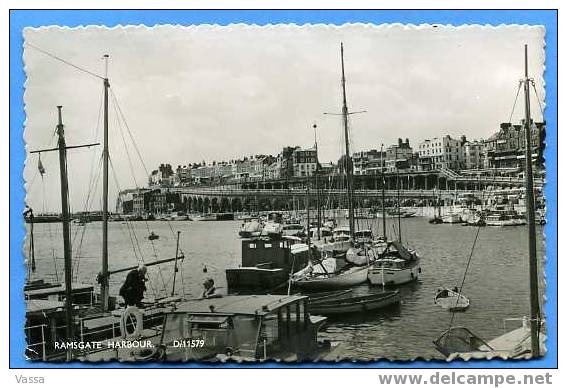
x: 134, y: 287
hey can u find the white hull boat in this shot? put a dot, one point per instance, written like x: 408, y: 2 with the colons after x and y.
x: 308, y: 280
x: 452, y: 218
x: 392, y: 272
x: 509, y: 222
x: 451, y: 300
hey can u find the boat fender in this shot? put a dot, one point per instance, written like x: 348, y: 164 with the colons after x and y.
x: 419, y: 270
x: 132, y: 313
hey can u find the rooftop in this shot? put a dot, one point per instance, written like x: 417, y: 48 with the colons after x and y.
x: 238, y: 304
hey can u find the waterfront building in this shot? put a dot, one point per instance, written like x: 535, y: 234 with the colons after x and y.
x: 273, y: 170
x: 505, y: 149
x: 125, y: 201
x: 141, y: 202
x: 441, y: 153
x: 157, y: 202
x: 304, y: 162
x: 182, y: 175
x: 398, y: 157
x: 298, y: 162
x: 163, y: 176
x: 475, y: 155
x: 368, y: 162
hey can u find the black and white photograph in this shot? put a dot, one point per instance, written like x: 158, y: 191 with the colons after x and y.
x: 284, y: 193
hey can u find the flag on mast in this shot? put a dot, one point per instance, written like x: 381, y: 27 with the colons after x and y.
x: 40, y: 166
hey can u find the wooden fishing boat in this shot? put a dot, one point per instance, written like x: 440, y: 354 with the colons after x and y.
x: 326, y: 296
x: 240, y: 328
x: 451, y: 300
x: 356, y: 304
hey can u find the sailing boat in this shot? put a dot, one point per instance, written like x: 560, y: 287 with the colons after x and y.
x: 391, y: 262
x: 333, y: 272
x: 526, y: 341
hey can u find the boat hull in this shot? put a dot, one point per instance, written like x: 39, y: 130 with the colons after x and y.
x: 453, y: 301
x: 351, y: 277
x: 393, y: 277
x: 358, y: 304
x: 452, y: 219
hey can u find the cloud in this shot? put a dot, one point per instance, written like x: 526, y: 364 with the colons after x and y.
x: 212, y: 93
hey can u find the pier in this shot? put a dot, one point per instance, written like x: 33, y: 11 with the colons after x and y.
x: 415, y: 188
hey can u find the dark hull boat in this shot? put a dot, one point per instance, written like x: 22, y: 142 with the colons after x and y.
x: 357, y: 304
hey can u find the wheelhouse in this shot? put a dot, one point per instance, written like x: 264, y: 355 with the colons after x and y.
x: 247, y: 328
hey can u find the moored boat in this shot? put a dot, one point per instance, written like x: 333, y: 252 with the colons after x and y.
x: 251, y: 227
x: 452, y: 218
x: 324, y: 276
x: 396, y: 265
x: 356, y: 304
x: 451, y: 300
x: 227, y: 329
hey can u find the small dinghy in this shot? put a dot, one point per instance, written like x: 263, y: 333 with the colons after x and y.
x: 153, y: 236
x: 451, y: 300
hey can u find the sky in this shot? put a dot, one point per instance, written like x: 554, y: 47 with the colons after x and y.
x: 194, y: 93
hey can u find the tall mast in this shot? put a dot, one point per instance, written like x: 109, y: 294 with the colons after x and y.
x: 308, y: 206
x: 398, y: 195
x: 104, y: 291
x: 317, y: 190
x: 69, y: 328
x: 530, y: 212
x: 383, y: 191
x: 347, y: 150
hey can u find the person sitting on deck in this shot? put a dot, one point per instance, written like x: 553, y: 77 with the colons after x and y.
x: 209, y: 289
x: 134, y: 287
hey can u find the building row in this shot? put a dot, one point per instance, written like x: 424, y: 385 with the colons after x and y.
x: 503, y: 150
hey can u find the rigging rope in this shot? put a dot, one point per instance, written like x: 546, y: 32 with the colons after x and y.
x: 515, y: 101
x: 466, y: 271
x: 63, y: 60
x: 120, y: 115
x: 147, y: 227
x: 129, y: 132
x: 50, y: 232
x: 92, y: 187
x: 537, y: 97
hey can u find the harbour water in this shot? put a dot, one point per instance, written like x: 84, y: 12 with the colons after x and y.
x: 496, y: 284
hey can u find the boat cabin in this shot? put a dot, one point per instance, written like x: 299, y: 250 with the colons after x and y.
x: 271, y: 254
x: 242, y: 328
x: 266, y: 264
x: 363, y: 235
x: 390, y: 263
